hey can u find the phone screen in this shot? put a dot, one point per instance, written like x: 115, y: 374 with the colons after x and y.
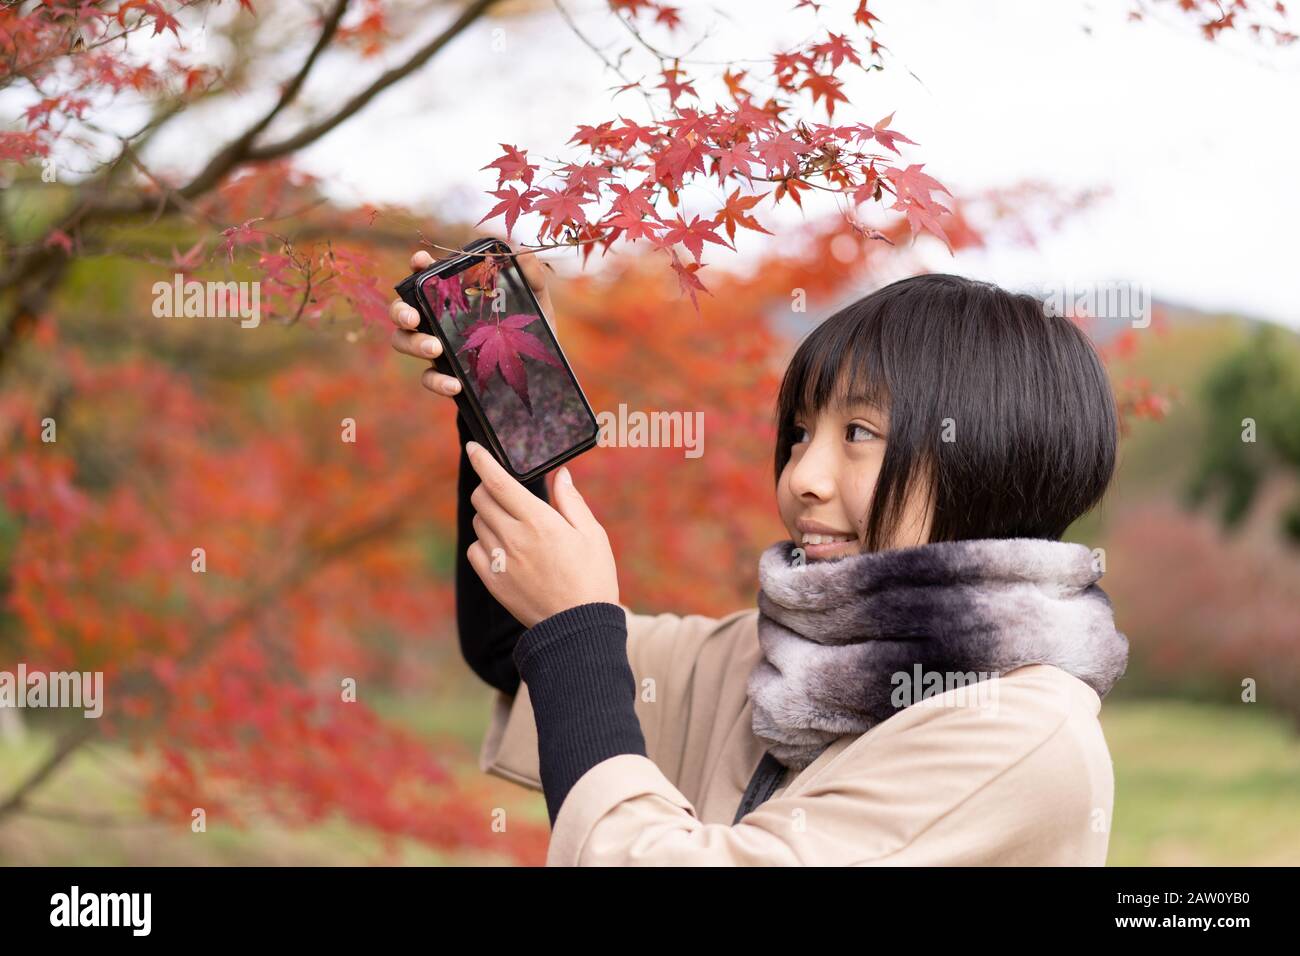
x: 512, y: 362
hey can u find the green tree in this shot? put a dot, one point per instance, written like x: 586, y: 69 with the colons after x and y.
x: 1251, y: 402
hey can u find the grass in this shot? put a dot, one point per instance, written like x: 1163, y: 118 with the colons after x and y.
x: 1196, y: 784
x: 1203, y: 785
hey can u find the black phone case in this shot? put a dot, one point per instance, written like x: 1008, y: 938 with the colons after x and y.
x: 410, y: 291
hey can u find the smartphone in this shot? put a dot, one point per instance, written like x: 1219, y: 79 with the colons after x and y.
x: 518, y: 393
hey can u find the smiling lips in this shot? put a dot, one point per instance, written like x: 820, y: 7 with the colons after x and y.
x: 827, y: 538
x: 819, y: 538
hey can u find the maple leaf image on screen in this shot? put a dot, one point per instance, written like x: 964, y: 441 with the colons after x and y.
x: 446, y: 293
x: 501, y: 346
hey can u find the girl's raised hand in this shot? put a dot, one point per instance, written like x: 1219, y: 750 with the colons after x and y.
x: 535, y: 559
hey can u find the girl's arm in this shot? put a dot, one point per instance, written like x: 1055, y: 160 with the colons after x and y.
x: 582, y: 690
x: 488, y: 632
x: 562, y: 584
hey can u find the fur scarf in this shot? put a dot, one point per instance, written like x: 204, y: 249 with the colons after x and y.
x: 841, y: 637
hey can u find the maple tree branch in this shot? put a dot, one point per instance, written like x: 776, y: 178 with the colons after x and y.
x: 42, y: 278
x: 26, y: 70
x: 45, y: 266
x: 617, y: 70
x: 328, y: 31
x: 314, y: 132
x: 239, y: 149
x: 664, y: 58
x: 67, y: 745
x: 526, y: 250
x: 97, y: 209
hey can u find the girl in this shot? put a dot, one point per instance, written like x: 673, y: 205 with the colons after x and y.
x: 921, y: 678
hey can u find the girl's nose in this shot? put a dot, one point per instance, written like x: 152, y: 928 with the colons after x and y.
x: 813, y: 477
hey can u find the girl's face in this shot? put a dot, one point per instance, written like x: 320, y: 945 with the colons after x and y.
x: 826, y: 488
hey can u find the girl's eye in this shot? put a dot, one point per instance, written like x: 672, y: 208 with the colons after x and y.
x: 798, y: 434
x: 858, y: 432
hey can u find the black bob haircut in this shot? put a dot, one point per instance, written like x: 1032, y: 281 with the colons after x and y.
x: 1020, y: 393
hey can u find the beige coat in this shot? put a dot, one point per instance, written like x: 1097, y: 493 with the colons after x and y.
x: 1021, y: 777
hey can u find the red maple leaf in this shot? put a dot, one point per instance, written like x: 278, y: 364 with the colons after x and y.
x: 733, y: 214
x: 675, y: 87
x: 631, y: 214
x: 596, y: 138
x: 786, y: 64
x: 736, y: 156
x: 513, y: 165
x: 631, y: 227
x: 864, y: 16
x: 734, y: 86
x: 669, y: 17
x: 558, y: 208
x: 838, y: 48
x: 630, y: 133
x: 635, y: 202
x: 693, y: 235
x: 684, y: 154
x: 884, y: 136
x: 789, y: 187
x: 687, y: 278
x: 781, y: 152
x: 870, y: 186
x: 512, y: 204
x: 911, y: 184
x: 501, y: 346
x: 825, y: 85
x: 912, y: 190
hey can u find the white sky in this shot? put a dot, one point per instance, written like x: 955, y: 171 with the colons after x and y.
x: 1198, y: 142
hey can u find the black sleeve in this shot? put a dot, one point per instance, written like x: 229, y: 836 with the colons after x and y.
x: 488, y: 632
x: 582, y: 692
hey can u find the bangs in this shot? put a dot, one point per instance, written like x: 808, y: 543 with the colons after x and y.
x: 831, y: 373
x: 842, y: 362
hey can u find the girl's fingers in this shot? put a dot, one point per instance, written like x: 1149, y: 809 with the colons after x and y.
x: 421, y: 260
x: 402, y: 315
x: 438, y: 383
x: 418, y: 344
x: 533, y: 272
x: 485, y: 534
x: 490, y: 511
x: 517, y: 500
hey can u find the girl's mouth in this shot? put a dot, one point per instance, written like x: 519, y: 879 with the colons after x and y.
x: 822, y: 546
